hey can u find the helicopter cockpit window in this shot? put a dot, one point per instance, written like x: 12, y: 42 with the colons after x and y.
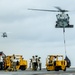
x: 62, y: 17
x: 58, y: 17
x: 67, y: 17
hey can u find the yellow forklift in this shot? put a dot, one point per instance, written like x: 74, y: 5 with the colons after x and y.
x: 55, y: 63
x: 8, y: 62
x: 21, y: 63
x: 15, y: 62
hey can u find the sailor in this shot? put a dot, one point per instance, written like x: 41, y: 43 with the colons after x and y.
x: 39, y: 63
x: 14, y: 61
x: 33, y: 59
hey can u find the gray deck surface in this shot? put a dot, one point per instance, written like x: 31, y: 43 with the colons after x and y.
x: 70, y: 71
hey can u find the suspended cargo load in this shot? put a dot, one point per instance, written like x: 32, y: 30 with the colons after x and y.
x: 68, y: 61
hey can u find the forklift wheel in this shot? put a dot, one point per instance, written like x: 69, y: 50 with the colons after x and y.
x: 23, y: 68
x: 64, y: 69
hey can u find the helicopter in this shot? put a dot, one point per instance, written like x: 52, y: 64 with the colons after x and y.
x: 4, y: 34
x: 62, y: 18
x: 61, y: 22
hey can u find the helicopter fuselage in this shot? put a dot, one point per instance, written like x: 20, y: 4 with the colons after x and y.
x: 62, y: 20
x: 4, y: 34
x: 63, y: 17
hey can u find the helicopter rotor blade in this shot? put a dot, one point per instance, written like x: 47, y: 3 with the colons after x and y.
x: 44, y: 10
x: 58, y: 8
x: 61, y: 10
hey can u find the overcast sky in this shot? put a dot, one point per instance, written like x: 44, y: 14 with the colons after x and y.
x: 34, y: 33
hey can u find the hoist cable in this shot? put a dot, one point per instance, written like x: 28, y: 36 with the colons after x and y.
x: 64, y: 39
